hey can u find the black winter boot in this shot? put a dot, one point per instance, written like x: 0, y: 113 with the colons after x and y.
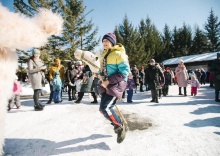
x: 180, y: 91
x: 38, y: 108
x: 49, y: 102
x: 153, y: 100
x: 185, y: 94
x: 94, y: 97
x: 41, y: 105
x: 95, y: 101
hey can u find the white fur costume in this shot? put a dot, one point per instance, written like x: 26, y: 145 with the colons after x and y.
x: 89, y: 58
x: 19, y: 32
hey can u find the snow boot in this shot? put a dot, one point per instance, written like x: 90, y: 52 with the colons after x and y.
x: 185, y: 91
x: 153, y: 100
x: 9, y: 108
x: 77, y: 101
x: 180, y: 91
x: 49, y: 102
x: 95, y: 101
x: 38, y: 108
x: 121, y: 134
x: 117, y: 129
x: 41, y: 105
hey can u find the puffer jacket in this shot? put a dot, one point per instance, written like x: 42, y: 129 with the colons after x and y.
x: 118, y: 69
x: 57, y: 83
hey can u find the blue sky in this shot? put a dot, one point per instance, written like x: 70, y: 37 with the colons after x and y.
x: 107, y: 14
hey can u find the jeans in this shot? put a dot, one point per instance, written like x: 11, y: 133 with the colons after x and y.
x: 52, y: 91
x: 106, y: 108
x: 57, y: 96
x: 130, y: 95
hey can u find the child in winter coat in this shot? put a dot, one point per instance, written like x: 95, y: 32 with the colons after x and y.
x: 168, y: 81
x: 194, y: 85
x: 15, y: 99
x: 57, y: 86
x: 130, y: 88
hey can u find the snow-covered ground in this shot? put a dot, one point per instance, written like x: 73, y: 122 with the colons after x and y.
x: 179, y: 126
x: 27, y: 89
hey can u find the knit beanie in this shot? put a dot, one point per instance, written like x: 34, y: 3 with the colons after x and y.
x: 111, y: 37
x: 152, y: 61
x: 36, y: 51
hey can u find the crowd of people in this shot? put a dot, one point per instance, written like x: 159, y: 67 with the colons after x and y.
x: 115, y: 79
x: 77, y: 79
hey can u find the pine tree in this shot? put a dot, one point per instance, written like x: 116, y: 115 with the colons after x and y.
x: 128, y: 36
x: 167, y: 43
x: 212, y: 28
x: 153, y: 41
x: 176, y: 43
x: 182, y: 41
x: 199, y: 44
x: 185, y: 39
x: 78, y: 33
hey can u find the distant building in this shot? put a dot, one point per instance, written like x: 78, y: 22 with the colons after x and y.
x: 193, y: 62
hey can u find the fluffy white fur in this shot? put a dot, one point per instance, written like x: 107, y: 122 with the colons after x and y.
x: 89, y: 58
x: 20, y: 32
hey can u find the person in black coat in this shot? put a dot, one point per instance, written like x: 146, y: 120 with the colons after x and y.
x: 168, y: 81
x: 135, y: 73
x: 154, y: 78
x: 216, y: 70
x: 71, y: 74
x: 141, y: 78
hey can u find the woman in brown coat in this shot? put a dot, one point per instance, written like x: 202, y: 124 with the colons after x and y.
x: 182, y: 77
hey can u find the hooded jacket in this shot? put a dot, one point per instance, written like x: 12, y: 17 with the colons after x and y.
x: 118, y: 69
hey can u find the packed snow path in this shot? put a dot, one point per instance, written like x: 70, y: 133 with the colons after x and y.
x: 177, y: 126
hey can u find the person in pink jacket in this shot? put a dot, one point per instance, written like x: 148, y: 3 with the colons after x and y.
x: 182, y: 77
x: 15, y: 99
x: 194, y: 85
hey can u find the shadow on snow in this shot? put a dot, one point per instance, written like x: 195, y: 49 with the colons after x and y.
x: 204, y: 123
x: 43, y: 147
